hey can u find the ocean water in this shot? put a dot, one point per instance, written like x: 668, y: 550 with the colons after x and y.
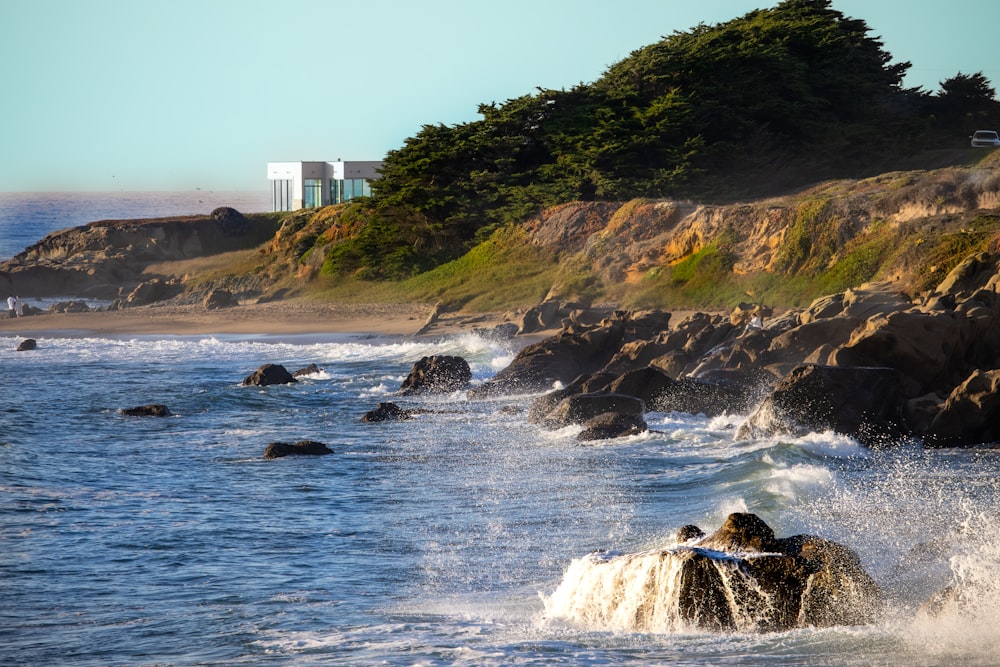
x: 451, y: 539
x: 27, y: 217
x: 438, y: 541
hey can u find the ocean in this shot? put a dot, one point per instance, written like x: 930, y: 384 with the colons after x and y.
x: 442, y: 540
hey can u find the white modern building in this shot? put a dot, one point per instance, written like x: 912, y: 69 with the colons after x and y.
x: 296, y: 185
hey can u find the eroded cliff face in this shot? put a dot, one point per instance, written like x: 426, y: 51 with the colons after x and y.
x: 901, y: 215
x: 623, y: 241
x: 107, y: 258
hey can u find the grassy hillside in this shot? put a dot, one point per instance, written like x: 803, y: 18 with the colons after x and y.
x: 906, y: 227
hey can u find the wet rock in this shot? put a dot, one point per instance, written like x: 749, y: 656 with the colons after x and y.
x: 387, y: 412
x: 269, y: 374
x: 611, y: 425
x: 311, y: 369
x: 588, y: 383
x: 740, y: 578
x: 971, y: 415
x: 151, y: 410
x: 27, y: 344
x: 498, y: 333
x: 438, y: 374
x: 577, y: 409
x: 560, y: 358
x: 276, y: 450
x: 863, y: 403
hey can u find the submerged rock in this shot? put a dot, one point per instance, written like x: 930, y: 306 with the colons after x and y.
x: 387, y: 412
x: 151, y: 410
x: 27, y: 344
x: 276, y: 450
x: 740, y: 578
x: 612, y: 425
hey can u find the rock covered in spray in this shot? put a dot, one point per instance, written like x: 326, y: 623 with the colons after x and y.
x: 740, y: 578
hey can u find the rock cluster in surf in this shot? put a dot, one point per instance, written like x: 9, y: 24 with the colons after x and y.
x: 868, y: 363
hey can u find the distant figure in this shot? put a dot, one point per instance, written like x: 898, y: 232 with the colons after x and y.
x: 19, y: 306
x: 755, y: 324
x: 11, y: 306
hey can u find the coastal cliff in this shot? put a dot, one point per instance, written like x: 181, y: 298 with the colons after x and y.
x: 108, y: 258
x: 908, y: 229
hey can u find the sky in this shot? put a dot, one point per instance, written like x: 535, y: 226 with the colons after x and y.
x: 102, y: 95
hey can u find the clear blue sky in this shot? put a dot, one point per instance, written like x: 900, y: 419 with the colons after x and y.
x: 184, y: 94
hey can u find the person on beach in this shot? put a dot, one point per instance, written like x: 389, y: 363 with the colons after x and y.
x: 11, y: 306
x: 19, y: 306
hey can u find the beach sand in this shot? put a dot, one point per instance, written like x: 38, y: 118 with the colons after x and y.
x: 277, y: 318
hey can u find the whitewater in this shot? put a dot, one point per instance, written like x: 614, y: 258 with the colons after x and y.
x: 465, y: 536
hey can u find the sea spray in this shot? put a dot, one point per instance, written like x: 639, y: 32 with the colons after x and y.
x: 651, y: 591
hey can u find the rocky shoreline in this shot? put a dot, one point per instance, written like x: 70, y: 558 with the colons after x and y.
x: 868, y: 363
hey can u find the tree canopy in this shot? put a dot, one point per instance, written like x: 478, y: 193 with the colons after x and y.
x: 772, y: 100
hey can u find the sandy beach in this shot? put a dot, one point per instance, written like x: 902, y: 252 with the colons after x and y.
x: 277, y: 318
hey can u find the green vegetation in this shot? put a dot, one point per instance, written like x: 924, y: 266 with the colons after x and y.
x: 951, y: 248
x: 773, y: 100
x: 764, y: 104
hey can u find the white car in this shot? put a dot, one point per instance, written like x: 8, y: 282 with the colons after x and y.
x: 985, y: 139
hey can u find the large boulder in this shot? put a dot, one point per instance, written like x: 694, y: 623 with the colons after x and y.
x: 438, y: 374
x: 557, y: 359
x: 218, y: 299
x: 584, y: 384
x: 612, y: 425
x: 863, y: 403
x: 740, y: 578
x: 578, y: 408
x: 971, y: 415
x: 929, y: 349
x: 269, y: 374
x: 27, y: 345
x: 148, y: 292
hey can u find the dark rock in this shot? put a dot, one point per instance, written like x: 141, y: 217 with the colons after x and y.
x: 560, y: 358
x: 810, y: 581
x: 27, y: 344
x: 233, y: 222
x: 438, y: 374
x: 971, y: 415
x: 689, y: 532
x: 269, y: 374
x: 578, y: 408
x: 740, y: 578
x: 276, y: 450
x: 645, y: 383
x: 863, y: 403
x: 151, y: 410
x: 219, y: 298
x: 928, y: 349
x: 311, y: 369
x: 499, y: 333
x: 612, y: 425
x: 387, y: 412
x: 588, y: 383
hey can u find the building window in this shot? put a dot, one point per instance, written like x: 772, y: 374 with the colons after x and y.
x: 281, y: 195
x: 312, y: 195
x: 349, y: 188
